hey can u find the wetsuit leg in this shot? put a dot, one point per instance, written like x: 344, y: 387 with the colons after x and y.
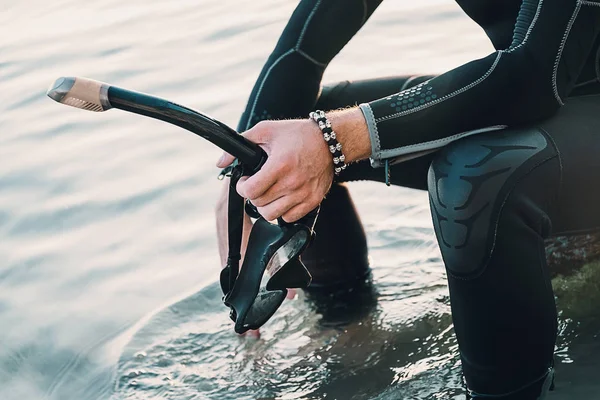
x: 491, y: 196
x: 338, y: 256
x: 494, y: 198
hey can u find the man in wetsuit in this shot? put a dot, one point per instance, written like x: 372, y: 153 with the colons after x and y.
x: 506, y: 145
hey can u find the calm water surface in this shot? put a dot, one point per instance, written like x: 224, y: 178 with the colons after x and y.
x: 108, y: 257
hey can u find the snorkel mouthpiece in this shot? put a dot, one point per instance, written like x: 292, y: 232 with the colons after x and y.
x: 83, y: 93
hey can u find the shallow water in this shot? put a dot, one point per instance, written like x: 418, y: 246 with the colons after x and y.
x: 106, y: 219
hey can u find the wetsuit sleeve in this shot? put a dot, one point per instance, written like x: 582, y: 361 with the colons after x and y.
x: 288, y: 85
x: 522, y: 84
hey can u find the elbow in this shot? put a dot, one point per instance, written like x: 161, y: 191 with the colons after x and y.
x: 535, y: 106
x: 531, y: 94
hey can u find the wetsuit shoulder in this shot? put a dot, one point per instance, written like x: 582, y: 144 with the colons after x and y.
x: 496, y: 17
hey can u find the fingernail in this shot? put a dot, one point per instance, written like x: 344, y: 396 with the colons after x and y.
x: 221, y: 160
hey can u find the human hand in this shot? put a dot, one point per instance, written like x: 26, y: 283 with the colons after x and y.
x: 297, y: 174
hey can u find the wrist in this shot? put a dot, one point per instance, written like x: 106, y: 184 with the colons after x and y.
x: 330, y: 137
x: 352, y: 132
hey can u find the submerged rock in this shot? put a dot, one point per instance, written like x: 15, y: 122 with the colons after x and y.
x: 574, y: 264
x: 567, y: 254
x: 578, y: 294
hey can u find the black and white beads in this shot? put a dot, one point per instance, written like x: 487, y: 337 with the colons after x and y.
x: 335, y: 147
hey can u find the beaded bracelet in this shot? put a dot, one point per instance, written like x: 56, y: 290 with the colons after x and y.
x: 339, y: 159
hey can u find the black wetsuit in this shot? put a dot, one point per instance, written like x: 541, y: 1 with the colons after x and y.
x: 508, y: 147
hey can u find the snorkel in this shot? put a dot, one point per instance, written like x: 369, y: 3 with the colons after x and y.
x: 272, y: 262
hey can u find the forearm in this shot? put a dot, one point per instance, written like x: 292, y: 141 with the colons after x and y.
x: 352, y: 132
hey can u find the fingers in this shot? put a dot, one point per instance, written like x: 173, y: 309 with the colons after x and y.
x: 258, y: 184
x: 277, y: 208
x: 282, y: 187
x: 259, y: 134
x: 288, y: 183
x: 283, y: 199
x: 297, y: 212
x: 225, y: 160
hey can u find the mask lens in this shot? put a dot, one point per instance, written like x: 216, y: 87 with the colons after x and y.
x: 285, y: 253
x: 271, y: 265
x: 267, y: 301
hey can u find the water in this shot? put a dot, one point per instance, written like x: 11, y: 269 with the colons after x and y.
x: 107, y: 225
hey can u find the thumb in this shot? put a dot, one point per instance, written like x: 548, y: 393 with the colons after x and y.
x: 225, y: 160
x: 257, y: 134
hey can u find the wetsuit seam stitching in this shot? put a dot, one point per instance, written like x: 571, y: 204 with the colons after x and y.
x: 497, y: 222
x: 560, y: 167
x: 448, y: 96
x: 543, y: 269
x: 530, y: 29
x: 382, y: 153
x: 597, y: 64
x: 309, y: 58
x: 589, y: 3
x: 305, y: 27
x: 561, y: 49
x: 262, y: 84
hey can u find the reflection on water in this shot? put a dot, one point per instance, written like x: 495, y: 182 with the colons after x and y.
x: 106, y: 219
x: 341, y: 345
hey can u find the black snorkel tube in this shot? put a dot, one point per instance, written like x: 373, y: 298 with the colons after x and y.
x: 91, y: 95
x: 272, y: 249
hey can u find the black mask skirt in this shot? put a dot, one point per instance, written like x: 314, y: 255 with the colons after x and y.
x: 271, y: 264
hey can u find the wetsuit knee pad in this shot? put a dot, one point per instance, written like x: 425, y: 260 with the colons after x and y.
x: 469, y: 183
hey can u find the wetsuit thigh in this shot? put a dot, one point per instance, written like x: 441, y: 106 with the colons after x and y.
x: 411, y: 174
x: 577, y: 137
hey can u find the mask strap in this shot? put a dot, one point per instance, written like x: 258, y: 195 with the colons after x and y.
x: 235, y: 224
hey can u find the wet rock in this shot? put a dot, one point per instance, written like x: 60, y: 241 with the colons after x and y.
x: 574, y: 264
x: 566, y: 255
x: 578, y: 294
